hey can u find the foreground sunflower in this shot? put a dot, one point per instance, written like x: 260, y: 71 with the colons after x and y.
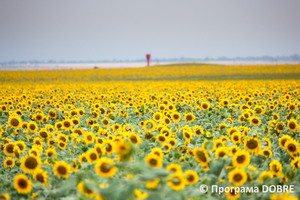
x: 176, y: 181
x: 241, y: 159
x: 15, y: 121
x: 30, y: 163
x: 191, y: 177
x: 22, y: 184
x: 201, y: 156
x: 152, y: 185
x: 252, y: 145
x: 232, y: 193
x: 276, y: 167
x: 153, y: 160
x: 9, y: 162
x: 85, y: 190
x: 237, y: 176
x: 62, y: 169
x: 9, y: 149
x: 292, y: 125
x: 292, y: 146
x: 105, y: 167
x: 41, y: 176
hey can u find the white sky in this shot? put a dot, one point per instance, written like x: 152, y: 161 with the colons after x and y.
x: 128, y: 29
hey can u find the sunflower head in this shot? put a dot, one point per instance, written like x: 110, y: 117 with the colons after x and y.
x: 176, y: 181
x: 154, y: 161
x: 237, y: 176
x: 22, y: 184
x: 105, y: 167
x: 62, y: 169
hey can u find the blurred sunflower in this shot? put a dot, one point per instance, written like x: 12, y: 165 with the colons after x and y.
x: 22, y: 184
x: 105, y: 167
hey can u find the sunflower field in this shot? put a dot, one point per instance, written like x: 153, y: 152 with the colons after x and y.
x: 86, y: 134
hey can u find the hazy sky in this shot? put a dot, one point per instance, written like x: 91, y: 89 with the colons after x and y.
x: 128, y: 29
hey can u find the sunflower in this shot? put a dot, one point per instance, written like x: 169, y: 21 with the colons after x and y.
x: 176, y: 181
x: 62, y: 169
x: 295, y: 163
x: 276, y: 167
x: 167, y: 132
x: 154, y: 161
x: 105, y: 167
x: 30, y: 163
x: 232, y: 130
x: 152, y: 184
x: 44, y: 134
x: 82, y: 158
x: 83, y: 189
x: 21, y: 145
x: 221, y: 152
x: 149, y: 125
x: 268, y: 142
x: 189, y: 117
x: 92, y: 155
x: 5, y: 196
x: 79, y: 131
x: 241, y: 159
x: 75, y: 121
x: 123, y: 149
x: 22, y: 184
x: 279, y: 127
x: 258, y: 110
x: 161, y: 138
x: 9, y: 162
x: 140, y: 195
x: 157, y: 151
x: 105, y: 122
x: 176, y: 116
x: 58, y: 125
x: 39, y: 117
x: 232, y: 193
x: 62, y: 145
x: 255, y: 121
x: 263, y: 176
x: 222, y: 126
x: 174, y: 168
x: 15, y: 121
x: 292, y: 125
x: 50, y: 152
x: 41, y: 176
x: 52, y: 113
x: 252, y: 145
x: 205, y: 106
x: 237, y: 176
x: 283, y: 140
x: 157, y: 116
x: 109, y: 147
x: 34, y: 151
x: 236, y: 138
x: 201, y: 156
x: 251, y: 167
x: 89, y: 138
x: 161, y: 107
x: 266, y: 152
x: 172, y: 142
x: 292, y: 146
x: 67, y: 124
x: 134, y: 138
x: 9, y: 149
x: 191, y: 177
x: 187, y: 135
x: 74, y: 166
x: 99, y: 148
